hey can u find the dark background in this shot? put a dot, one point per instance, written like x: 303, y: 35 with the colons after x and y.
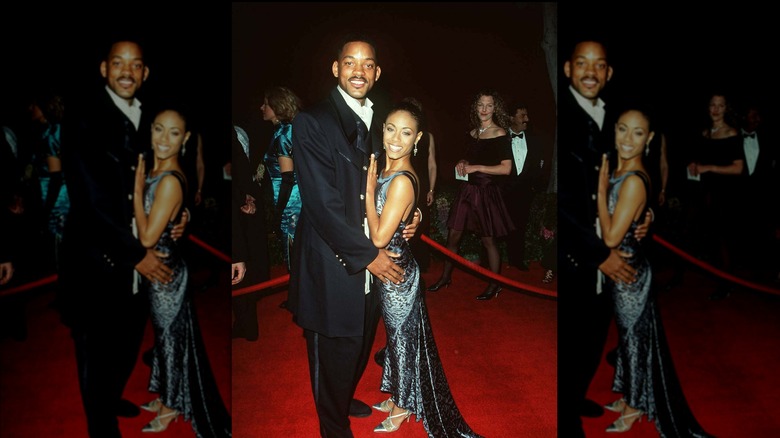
x: 440, y: 53
x: 58, y: 49
x: 673, y: 59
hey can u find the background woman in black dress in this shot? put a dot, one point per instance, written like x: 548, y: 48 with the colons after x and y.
x: 479, y: 207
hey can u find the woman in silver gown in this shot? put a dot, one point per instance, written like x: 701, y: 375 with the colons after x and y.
x: 644, y: 372
x: 412, y: 373
x: 181, y: 373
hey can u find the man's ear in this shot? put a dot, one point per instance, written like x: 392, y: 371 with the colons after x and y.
x: 378, y: 72
x: 567, y: 69
x: 146, y: 73
x: 103, y: 69
x: 609, y: 73
x: 335, y: 69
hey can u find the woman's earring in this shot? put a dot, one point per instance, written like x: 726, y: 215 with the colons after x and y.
x: 647, y: 150
x: 184, y: 148
x: 415, y: 149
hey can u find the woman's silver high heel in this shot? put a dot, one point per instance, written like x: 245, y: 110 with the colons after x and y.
x: 616, y: 406
x: 157, y: 426
x: 620, y: 424
x: 383, y: 407
x: 152, y: 406
x: 388, y: 426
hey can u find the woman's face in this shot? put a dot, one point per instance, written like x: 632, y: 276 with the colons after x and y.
x: 717, y: 107
x: 400, y: 134
x: 632, y: 134
x: 268, y: 113
x: 485, y: 108
x: 168, y: 134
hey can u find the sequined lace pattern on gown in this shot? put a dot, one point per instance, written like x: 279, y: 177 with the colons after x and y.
x: 644, y: 372
x: 181, y: 373
x: 413, y: 372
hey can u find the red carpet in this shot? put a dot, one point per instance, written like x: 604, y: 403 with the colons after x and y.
x: 499, y: 357
x: 726, y: 354
x: 39, y: 394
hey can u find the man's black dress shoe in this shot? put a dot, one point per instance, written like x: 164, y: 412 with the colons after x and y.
x: 359, y: 409
x: 379, y: 357
x: 147, y: 357
x: 612, y: 356
x: 591, y: 409
x: 126, y: 408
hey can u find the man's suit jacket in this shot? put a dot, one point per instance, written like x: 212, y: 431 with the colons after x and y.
x: 580, y: 144
x: 766, y: 164
x: 249, y: 233
x: 531, y: 176
x: 100, y: 154
x: 331, y: 250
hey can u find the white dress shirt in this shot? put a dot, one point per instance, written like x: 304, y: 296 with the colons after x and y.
x: 596, y: 112
x: 131, y: 110
x: 519, y: 150
x: 750, y: 145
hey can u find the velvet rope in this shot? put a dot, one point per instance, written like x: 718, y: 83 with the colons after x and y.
x: 264, y: 285
x: 713, y: 270
x: 486, y: 272
x: 220, y: 255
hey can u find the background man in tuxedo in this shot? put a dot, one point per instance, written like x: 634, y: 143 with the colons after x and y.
x: 761, y: 196
x: 332, y: 257
x: 584, y: 311
x: 99, y: 300
x: 522, y: 183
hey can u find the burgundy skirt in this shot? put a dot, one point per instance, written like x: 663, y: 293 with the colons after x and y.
x: 479, y: 207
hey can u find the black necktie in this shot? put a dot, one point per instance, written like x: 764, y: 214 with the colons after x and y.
x: 520, y: 135
x: 746, y: 135
x: 361, y: 136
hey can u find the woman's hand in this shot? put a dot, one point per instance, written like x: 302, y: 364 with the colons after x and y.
x: 603, y: 176
x: 371, y: 178
x: 140, y: 176
x: 693, y: 169
x: 461, y: 167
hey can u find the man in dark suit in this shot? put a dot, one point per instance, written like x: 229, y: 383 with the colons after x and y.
x: 332, y: 259
x: 760, y: 190
x: 523, y: 182
x: 99, y: 297
x: 584, y: 310
x: 249, y: 236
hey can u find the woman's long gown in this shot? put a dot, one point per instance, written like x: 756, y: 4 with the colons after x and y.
x: 281, y: 146
x: 181, y: 373
x: 644, y: 372
x: 413, y: 373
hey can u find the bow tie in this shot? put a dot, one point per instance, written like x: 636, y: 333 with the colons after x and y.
x: 746, y: 135
x: 520, y: 135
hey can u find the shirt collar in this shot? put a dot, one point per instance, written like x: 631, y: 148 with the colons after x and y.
x: 121, y: 102
x: 365, y: 112
x: 586, y: 104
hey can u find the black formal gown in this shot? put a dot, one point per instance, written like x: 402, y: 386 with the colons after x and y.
x: 181, y: 373
x: 413, y: 373
x: 644, y: 371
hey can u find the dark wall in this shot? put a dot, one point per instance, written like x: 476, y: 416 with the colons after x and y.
x: 440, y: 53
